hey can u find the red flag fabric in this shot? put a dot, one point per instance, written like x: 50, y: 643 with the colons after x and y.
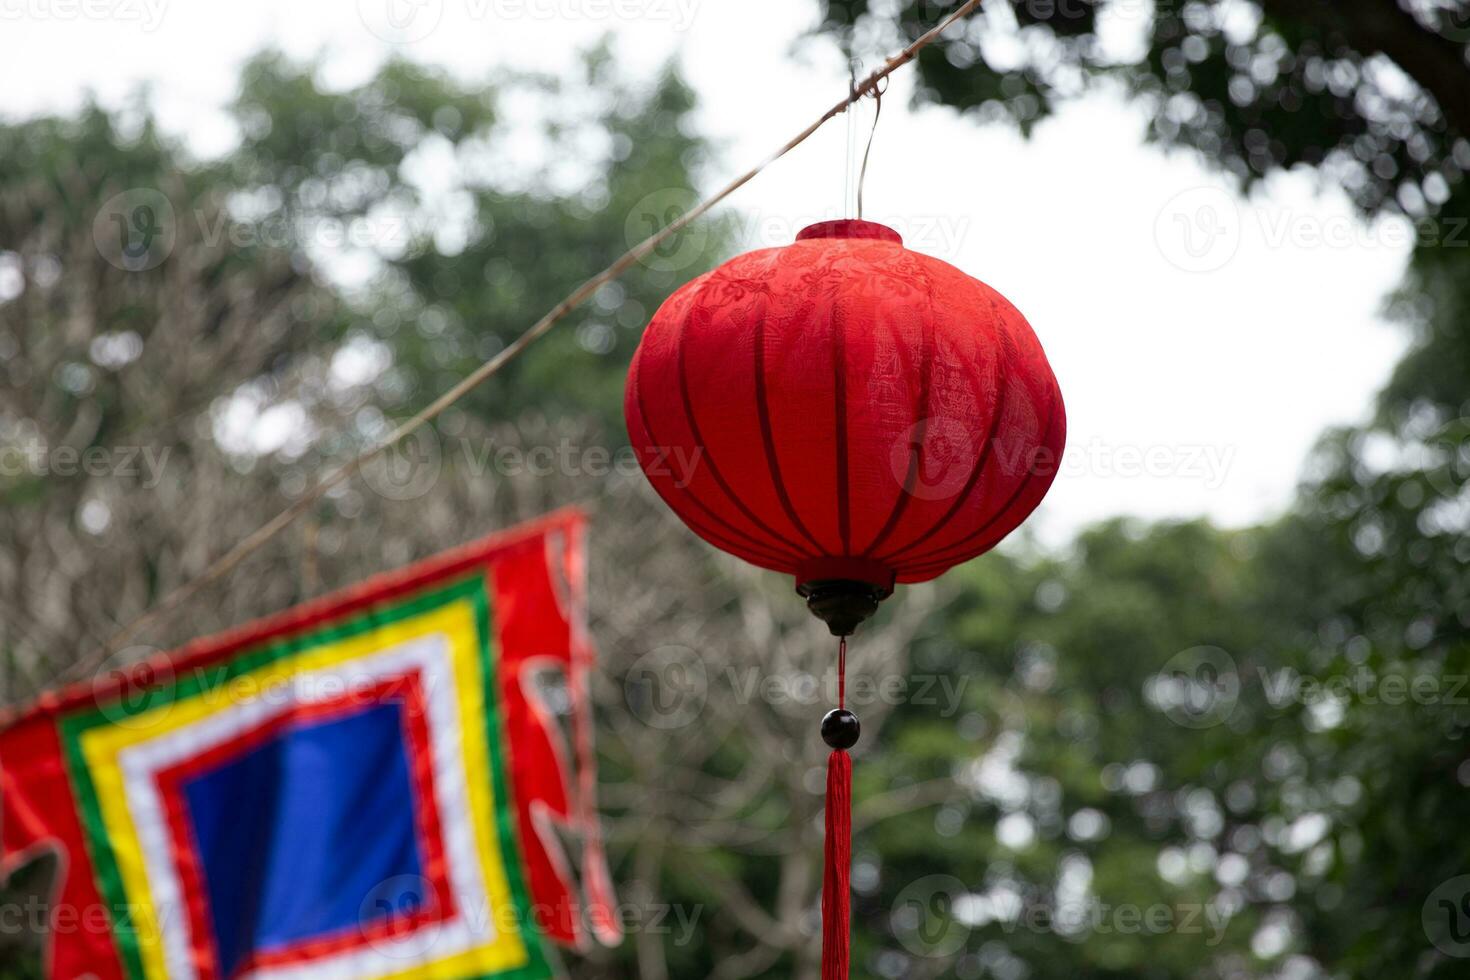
x: 367, y: 785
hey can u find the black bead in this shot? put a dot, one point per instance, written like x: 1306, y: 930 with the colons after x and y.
x: 840, y: 728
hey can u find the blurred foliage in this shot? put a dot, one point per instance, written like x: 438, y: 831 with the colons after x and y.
x: 356, y: 253
x: 1375, y: 92
x: 479, y: 241
x: 1318, y: 664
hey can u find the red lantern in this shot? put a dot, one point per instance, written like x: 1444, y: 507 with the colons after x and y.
x: 853, y: 414
x: 846, y: 411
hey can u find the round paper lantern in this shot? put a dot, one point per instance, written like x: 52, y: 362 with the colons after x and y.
x: 846, y: 411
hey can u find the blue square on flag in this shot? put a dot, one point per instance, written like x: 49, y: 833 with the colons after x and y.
x: 308, y: 835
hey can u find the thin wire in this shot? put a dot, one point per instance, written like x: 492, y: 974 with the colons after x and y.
x: 254, y: 541
x: 863, y: 174
x: 842, y: 672
x: 853, y: 65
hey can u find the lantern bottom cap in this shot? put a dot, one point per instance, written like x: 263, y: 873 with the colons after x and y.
x: 844, y: 603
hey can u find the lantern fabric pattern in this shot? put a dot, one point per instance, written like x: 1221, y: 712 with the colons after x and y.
x: 844, y: 408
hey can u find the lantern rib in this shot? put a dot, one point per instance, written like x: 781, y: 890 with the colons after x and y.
x: 980, y: 460
x: 741, y: 540
x: 768, y: 438
x: 921, y: 411
x: 257, y: 539
x: 839, y: 399
x: 944, y: 555
x: 709, y: 454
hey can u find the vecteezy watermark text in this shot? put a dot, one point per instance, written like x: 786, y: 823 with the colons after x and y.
x: 935, y: 915
x: 1200, y: 687
x: 148, y: 14
x: 1201, y: 229
x: 407, y: 21
x: 33, y: 915
x: 145, y: 463
x: 668, y: 687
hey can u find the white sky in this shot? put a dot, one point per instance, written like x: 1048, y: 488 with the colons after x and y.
x: 1197, y: 371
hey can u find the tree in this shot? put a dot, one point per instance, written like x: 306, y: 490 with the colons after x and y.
x: 186, y: 344
x: 1304, y: 789
x: 1374, y: 92
x: 124, y: 318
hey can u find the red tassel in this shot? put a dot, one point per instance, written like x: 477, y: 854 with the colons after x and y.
x: 835, y: 887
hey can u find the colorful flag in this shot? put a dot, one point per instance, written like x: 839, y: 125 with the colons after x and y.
x: 368, y: 785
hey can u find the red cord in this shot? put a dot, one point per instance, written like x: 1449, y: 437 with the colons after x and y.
x: 842, y: 672
x: 836, y: 889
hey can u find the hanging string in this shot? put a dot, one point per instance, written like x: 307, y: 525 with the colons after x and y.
x: 842, y: 672
x: 877, y: 94
x: 853, y: 66
x: 255, y: 540
x: 840, y: 730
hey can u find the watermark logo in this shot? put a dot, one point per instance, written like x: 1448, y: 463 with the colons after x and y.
x: 407, y: 21
x: 1196, y: 688
x: 135, y: 230
x: 936, y: 458
x: 1449, y: 471
x: 409, y: 468
x: 1454, y: 21
x: 400, y: 21
x: 655, y: 212
x: 388, y: 233
x: 923, y: 916
x: 933, y: 458
x: 667, y: 688
x: 566, y: 458
x: 1200, y: 687
x: 128, y: 695
x: 1199, y: 230
x: 942, y: 694
x: 939, y: 235
x: 1446, y: 917
x: 391, y: 912
x: 1287, y: 686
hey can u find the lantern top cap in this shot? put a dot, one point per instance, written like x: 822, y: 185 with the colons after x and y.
x: 849, y: 228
